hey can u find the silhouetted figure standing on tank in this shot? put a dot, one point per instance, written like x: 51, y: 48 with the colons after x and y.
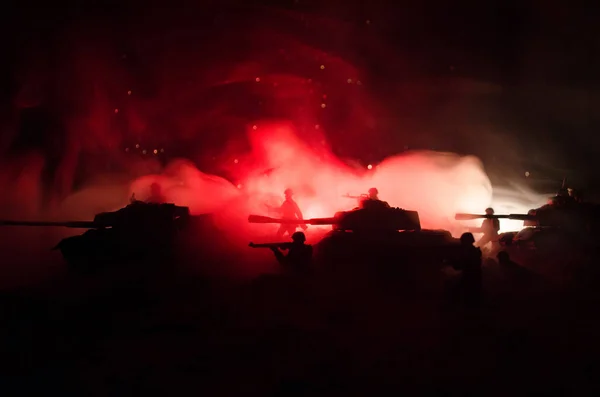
x: 469, y: 263
x: 373, y: 200
x: 289, y: 210
x: 373, y: 193
x: 156, y: 195
x: 564, y: 198
x: 575, y: 195
x: 299, y: 254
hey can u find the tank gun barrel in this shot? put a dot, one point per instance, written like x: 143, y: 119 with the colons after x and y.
x: 361, y: 196
x: 285, y: 245
x: 313, y: 221
x: 517, y: 217
x: 73, y: 224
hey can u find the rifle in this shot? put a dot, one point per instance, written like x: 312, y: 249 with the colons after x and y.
x: 359, y: 197
x: 283, y: 246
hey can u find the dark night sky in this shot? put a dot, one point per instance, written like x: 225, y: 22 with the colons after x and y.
x: 539, y: 58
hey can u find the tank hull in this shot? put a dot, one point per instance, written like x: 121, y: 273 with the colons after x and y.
x: 399, y: 262
x: 101, y: 248
x: 426, y: 245
x: 552, y: 252
x: 545, y: 240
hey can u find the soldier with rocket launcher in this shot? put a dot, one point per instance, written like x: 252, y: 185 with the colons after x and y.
x: 299, y: 254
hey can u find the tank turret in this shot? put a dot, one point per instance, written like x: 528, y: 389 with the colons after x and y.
x: 138, y: 231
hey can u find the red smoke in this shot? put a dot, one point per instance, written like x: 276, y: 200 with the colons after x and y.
x: 165, y: 86
x: 162, y: 80
x: 436, y: 184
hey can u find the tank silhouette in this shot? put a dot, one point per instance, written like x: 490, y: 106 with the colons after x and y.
x: 376, y: 233
x: 139, y: 231
x: 563, y: 224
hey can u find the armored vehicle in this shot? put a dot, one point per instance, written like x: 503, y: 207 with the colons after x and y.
x: 139, y: 231
x: 375, y: 233
x: 562, y: 224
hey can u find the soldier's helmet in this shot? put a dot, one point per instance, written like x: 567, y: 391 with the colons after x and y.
x: 467, y: 239
x: 298, y: 237
x: 288, y: 192
x: 489, y: 211
x: 373, y: 191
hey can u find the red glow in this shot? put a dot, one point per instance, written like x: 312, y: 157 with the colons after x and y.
x: 185, y: 103
x: 436, y: 184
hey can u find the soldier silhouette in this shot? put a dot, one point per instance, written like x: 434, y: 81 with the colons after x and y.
x: 156, y: 195
x: 289, y: 210
x: 469, y: 263
x: 299, y: 254
x: 575, y: 195
x: 373, y: 200
x: 373, y: 193
x: 489, y: 227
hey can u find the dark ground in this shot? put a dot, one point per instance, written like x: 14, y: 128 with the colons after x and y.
x: 175, y: 332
